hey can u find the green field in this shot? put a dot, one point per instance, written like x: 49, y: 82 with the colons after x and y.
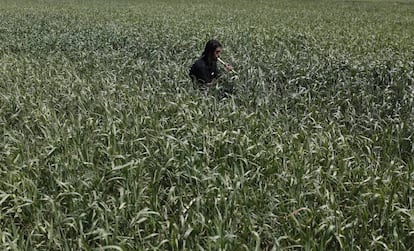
x: 107, y: 145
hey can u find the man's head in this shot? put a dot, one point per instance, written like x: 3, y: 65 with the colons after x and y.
x: 212, y: 50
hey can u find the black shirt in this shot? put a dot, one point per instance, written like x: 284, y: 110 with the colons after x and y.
x: 203, y: 71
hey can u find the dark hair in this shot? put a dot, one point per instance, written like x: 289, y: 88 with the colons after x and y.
x: 211, y: 46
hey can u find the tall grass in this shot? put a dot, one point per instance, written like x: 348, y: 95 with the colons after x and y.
x: 107, y: 145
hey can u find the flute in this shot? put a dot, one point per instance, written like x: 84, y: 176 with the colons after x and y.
x: 225, y: 64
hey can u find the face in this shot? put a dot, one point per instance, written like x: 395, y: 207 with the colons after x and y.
x: 217, y: 53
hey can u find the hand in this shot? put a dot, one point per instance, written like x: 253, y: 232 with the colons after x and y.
x: 228, y: 67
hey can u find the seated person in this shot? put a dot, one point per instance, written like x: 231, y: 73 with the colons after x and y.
x: 204, y: 70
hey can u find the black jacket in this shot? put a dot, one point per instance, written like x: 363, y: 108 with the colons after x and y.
x: 204, y: 71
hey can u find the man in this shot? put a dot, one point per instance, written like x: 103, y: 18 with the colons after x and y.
x: 204, y: 70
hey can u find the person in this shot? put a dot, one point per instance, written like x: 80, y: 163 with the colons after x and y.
x: 204, y: 70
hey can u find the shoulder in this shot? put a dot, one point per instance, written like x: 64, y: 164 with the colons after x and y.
x: 198, y: 66
x: 200, y: 63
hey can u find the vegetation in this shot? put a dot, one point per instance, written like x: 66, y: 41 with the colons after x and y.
x: 106, y: 144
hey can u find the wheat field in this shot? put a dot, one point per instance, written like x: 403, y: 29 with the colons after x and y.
x: 107, y: 145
